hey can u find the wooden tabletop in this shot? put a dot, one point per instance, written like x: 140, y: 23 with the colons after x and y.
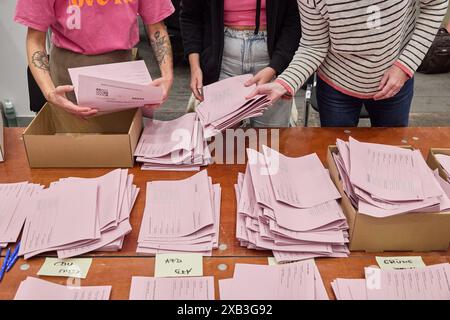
x: 116, y: 268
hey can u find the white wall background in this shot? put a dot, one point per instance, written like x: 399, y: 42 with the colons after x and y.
x: 13, y: 62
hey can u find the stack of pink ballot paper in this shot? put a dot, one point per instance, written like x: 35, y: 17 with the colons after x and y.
x: 37, y: 289
x: 428, y: 283
x: 291, y: 281
x: 181, y: 216
x: 444, y: 161
x: 176, y: 145
x: 192, y: 288
x: 14, y: 204
x: 288, y: 205
x: 383, y: 181
x: 75, y: 216
x: 225, y: 104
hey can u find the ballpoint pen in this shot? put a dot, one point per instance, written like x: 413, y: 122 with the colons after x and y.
x: 5, y: 262
x: 14, y: 257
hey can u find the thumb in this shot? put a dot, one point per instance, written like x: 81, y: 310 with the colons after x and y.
x: 157, y: 82
x: 383, y: 81
x: 251, y: 81
x: 253, y: 93
x: 64, y: 89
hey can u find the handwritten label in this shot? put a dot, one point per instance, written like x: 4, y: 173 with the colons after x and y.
x: 71, y: 268
x: 178, y: 265
x: 400, y: 262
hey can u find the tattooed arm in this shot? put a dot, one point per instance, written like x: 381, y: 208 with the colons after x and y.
x: 40, y: 68
x: 159, y: 39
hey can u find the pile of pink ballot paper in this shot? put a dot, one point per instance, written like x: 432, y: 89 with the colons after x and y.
x: 36, y: 289
x: 444, y: 161
x: 291, y: 281
x: 176, y: 145
x: 289, y: 206
x: 428, y: 283
x: 14, y: 199
x: 75, y: 216
x: 192, y: 288
x: 225, y: 104
x: 181, y: 216
x: 383, y: 181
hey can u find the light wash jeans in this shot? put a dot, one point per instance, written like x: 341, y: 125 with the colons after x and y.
x: 244, y: 52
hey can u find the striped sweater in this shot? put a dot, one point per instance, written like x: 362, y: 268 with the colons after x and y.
x: 351, y: 43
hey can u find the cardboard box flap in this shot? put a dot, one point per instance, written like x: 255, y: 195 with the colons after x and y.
x: 433, y: 162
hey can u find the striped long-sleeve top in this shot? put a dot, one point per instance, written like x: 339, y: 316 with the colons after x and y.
x: 351, y: 43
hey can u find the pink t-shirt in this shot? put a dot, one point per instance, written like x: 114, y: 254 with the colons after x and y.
x: 92, y: 27
x: 243, y: 13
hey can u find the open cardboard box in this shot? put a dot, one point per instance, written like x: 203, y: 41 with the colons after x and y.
x: 2, y: 141
x: 56, y: 139
x: 404, y: 232
x: 434, y: 164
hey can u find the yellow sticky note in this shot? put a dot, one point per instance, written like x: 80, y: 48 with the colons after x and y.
x: 71, y: 268
x: 178, y: 265
x: 400, y: 262
x: 271, y: 261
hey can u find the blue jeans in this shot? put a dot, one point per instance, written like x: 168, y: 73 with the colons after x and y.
x: 244, y: 52
x: 340, y: 110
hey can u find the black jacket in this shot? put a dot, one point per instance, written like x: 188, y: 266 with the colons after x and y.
x: 202, y: 30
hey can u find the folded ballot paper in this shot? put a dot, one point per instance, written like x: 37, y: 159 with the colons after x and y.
x: 288, y: 205
x: 181, y: 216
x: 444, y: 161
x: 291, y: 281
x: 192, y: 288
x: 14, y: 203
x: 75, y: 216
x: 383, y: 181
x: 428, y: 283
x: 115, y: 87
x: 225, y: 104
x: 176, y: 145
x: 36, y: 289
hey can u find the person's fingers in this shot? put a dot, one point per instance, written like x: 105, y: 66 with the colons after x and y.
x: 64, y: 89
x: 152, y: 106
x: 252, y: 81
x: 383, y: 81
x: 382, y: 94
x: 254, y: 93
x: 157, y: 82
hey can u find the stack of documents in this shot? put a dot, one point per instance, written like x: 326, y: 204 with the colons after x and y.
x: 37, y: 289
x: 193, y: 288
x: 383, y: 180
x: 291, y: 281
x: 75, y: 216
x: 444, y: 161
x: 288, y: 205
x: 115, y: 87
x: 428, y: 283
x: 176, y: 145
x: 14, y: 204
x: 225, y: 104
x: 181, y: 216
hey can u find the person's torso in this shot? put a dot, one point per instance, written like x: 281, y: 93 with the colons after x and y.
x: 95, y: 26
x: 243, y: 12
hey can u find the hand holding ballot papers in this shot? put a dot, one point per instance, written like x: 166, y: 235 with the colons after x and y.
x: 115, y: 87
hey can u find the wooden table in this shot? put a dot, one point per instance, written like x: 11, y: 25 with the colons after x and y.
x: 116, y: 268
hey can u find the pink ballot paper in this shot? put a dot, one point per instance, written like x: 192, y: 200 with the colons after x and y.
x: 294, y: 221
x: 114, y: 87
x: 192, y: 288
x: 37, y: 289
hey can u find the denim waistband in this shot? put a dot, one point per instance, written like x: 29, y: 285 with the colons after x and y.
x: 245, y: 34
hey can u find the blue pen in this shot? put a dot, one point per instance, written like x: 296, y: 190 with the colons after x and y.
x: 14, y: 257
x: 5, y: 262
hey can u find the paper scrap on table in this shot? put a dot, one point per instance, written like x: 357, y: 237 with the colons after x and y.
x: 178, y: 265
x: 412, y: 262
x: 271, y: 261
x: 71, y: 268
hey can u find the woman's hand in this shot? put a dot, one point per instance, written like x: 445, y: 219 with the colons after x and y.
x: 264, y: 76
x: 391, y: 83
x: 165, y: 84
x: 58, y: 98
x: 273, y: 90
x: 197, y: 83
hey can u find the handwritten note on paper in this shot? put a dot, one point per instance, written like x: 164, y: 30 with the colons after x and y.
x: 412, y: 262
x: 71, y: 268
x: 178, y: 265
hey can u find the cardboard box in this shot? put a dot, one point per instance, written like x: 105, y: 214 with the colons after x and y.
x: 2, y: 141
x: 405, y: 232
x: 434, y: 164
x: 56, y: 139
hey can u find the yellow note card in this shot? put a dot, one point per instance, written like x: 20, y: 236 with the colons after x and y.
x: 178, y: 265
x: 71, y: 268
x: 400, y: 262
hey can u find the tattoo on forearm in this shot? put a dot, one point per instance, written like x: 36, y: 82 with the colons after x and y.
x: 161, y: 47
x: 40, y: 60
